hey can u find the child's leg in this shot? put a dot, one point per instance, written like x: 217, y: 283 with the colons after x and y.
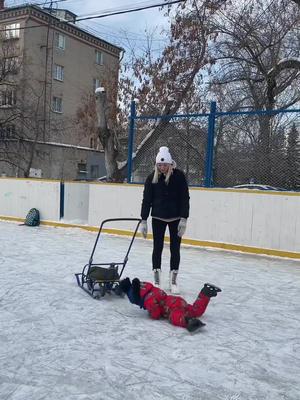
x: 173, y: 303
x: 174, y: 310
x: 199, y: 306
x: 177, y: 317
x: 177, y: 309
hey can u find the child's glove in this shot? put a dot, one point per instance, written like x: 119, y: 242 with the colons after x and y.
x: 181, y: 227
x: 144, y: 228
x: 125, y: 285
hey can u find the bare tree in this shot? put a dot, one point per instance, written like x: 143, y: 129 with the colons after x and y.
x: 250, y: 49
x: 97, y: 117
x: 259, y: 59
x: 10, y: 65
x: 164, y: 84
x: 293, y: 159
x: 107, y: 136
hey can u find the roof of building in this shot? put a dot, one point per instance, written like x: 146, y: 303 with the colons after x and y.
x: 45, y: 17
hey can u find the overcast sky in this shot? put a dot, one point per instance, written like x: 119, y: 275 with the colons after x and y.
x: 115, y: 29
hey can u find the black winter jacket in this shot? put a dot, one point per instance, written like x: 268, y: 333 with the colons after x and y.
x: 166, y: 201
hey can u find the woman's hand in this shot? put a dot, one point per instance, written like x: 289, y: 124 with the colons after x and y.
x: 182, y: 227
x: 144, y: 228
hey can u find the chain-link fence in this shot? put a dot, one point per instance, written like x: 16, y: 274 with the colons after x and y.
x: 221, y: 149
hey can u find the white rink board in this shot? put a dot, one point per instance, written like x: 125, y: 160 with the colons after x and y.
x: 18, y: 196
x: 76, y: 203
x: 114, y: 201
x: 264, y: 220
x: 261, y: 220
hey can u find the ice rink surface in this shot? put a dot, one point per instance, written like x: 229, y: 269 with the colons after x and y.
x: 57, y: 343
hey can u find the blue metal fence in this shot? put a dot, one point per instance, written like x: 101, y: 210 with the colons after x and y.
x: 220, y: 148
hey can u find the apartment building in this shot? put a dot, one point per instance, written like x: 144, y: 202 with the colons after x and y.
x: 49, y: 69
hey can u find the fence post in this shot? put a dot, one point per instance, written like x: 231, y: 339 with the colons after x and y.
x: 130, y: 139
x: 62, y: 200
x: 210, y: 145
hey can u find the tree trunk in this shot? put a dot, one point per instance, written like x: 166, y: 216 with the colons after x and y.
x: 263, y: 164
x: 107, y: 139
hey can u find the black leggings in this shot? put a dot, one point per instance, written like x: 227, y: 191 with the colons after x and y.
x: 159, y: 229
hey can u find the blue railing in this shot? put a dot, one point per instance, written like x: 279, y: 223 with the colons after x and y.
x: 211, y: 117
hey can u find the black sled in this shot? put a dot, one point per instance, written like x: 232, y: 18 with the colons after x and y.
x: 97, y: 279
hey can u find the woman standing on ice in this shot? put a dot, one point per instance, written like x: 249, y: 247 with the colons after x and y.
x: 166, y: 194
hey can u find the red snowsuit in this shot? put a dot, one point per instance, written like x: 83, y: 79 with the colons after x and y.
x: 175, y: 308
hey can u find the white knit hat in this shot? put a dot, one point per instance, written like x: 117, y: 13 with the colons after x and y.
x: 164, y: 156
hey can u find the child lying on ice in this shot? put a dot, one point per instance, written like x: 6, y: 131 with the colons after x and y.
x: 175, y: 308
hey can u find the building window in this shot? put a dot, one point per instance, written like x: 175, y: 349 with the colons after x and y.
x: 57, y: 105
x: 81, y: 169
x: 60, y: 41
x: 8, y: 98
x: 99, y: 57
x: 12, y: 31
x: 7, y: 132
x: 96, y: 83
x: 10, y: 65
x: 58, y: 72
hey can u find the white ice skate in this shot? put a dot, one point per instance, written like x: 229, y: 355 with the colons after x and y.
x: 174, y: 289
x: 157, y: 277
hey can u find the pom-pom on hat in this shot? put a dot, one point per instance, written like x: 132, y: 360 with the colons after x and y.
x: 164, y: 156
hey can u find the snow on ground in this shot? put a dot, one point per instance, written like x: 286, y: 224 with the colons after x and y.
x: 57, y: 343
